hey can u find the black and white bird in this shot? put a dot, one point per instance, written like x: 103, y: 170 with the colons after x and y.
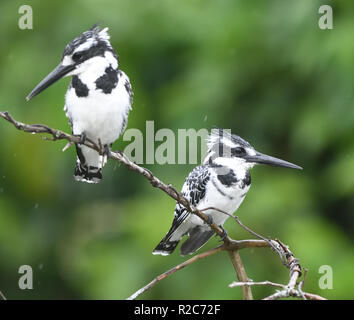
x: 98, y: 100
x: 221, y: 182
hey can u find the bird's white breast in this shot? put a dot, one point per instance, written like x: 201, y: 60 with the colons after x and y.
x: 99, y: 115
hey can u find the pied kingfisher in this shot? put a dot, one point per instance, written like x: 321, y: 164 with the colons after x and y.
x: 98, y: 100
x: 221, y: 182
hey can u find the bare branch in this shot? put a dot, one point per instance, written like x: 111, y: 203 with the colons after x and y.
x: 232, y: 246
x: 120, y: 157
x: 311, y: 296
x: 2, y: 296
x: 293, y: 289
x: 240, y: 273
x: 252, y: 283
x: 175, y: 269
x: 271, y: 243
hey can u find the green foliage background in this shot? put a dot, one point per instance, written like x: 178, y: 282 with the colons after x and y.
x: 262, y: 68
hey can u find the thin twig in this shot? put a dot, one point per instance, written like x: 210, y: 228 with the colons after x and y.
x: 292, y: 289
x: 2, y: 296
x: 271, y: 243
x: 175, y: 269
x: 232, y: 245
x: 301, y: 284
x: 252, y: 283
x: 311, y: 296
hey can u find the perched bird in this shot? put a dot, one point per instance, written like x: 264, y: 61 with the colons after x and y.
x: 221, y: 182
x: 98, y: 99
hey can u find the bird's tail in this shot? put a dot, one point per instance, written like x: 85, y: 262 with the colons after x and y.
x: 88, y: 165
x: 198, y: 237
x: 165, y: 247
x: 169, y: 243
x: 87, y: 174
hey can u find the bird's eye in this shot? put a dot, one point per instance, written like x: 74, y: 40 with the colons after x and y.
x: 238, y: 151
x: 77, y: 56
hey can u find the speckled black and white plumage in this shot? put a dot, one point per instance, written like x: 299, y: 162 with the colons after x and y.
x: 220, y: 182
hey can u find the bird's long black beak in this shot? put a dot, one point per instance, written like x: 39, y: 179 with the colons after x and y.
x: 59, y: 72
x: 272, y: 161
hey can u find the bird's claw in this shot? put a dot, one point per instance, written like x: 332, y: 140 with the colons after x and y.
x: 210, y: 220
x: 82, y: 138
x: 106, y: 150
x: 224, y: 233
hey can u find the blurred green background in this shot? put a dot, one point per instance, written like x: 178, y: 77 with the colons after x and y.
x: 262, y: 68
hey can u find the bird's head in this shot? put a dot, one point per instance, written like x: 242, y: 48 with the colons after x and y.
x: 225, y: 148
x: 89, y: 52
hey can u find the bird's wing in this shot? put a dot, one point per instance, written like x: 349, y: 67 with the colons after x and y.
x: 194, y: 191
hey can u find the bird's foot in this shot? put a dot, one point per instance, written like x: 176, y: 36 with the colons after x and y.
x: 224, y: 233
x: 106, y: 150
x: 82, y: 137
x: 210, y: 221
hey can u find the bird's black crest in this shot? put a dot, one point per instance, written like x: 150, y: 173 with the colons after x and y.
x: 100, y: 40
x: 217, y: 135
